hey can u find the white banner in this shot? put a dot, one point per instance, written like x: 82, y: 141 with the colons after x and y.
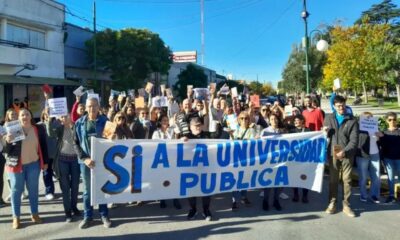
x: 142, y: 170
x: 58, y: 107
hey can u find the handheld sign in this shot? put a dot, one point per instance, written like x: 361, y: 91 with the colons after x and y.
x: 109, y: 130
x: 159, y: 101
x: 162, y: 88
x: 142, y: 92
x: 114, y: 93
x: 14, y: 128
x: 336, y: 83
x: 168, y: 91
x: 255, y: 99
x: 149, y: 87
x: 224, y: 90
x: 131, y: 93
x: 58, y: 107
x: 369, y: 124
x: 288, y: 110
x: 79, y: 91
x: 201, y: 93
x: 139, y: 102
x: 234, y: 92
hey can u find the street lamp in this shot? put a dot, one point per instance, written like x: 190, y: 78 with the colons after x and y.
x: 322, y: 45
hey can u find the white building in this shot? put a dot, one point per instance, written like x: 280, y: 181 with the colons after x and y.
x: 32, y: 51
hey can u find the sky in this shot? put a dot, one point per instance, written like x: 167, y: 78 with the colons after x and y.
x: 250, y: 39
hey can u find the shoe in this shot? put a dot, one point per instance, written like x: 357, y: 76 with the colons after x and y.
x: 112, y: 205
x: 347, y: 210
x: 304, y: 199
x: 246, y: 202
x: 277, y: 205
x: 390, y: 199
x: 363, y: 199
x: 177, y: 204
x: 331, y: 208
x: 234, y: 207
x: 192, y: 214
x: 76, y: 212
x: 163, y: 204
x: 207, y: 215
x: 85, y: 223
x: 295, y: 198
x: 16, y: 223
x: 36, y: 219
x: 8, y: 198
x: 265, y: 206
x: 68, y: 218
x: 283, y: 196
x: 375, y: 199
x: 49, y: 196
x: 106, y: 222
x: 139, y: 203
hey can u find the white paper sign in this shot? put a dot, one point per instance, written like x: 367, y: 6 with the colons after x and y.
x: 159, y: 101
x: 15, y: 129
x: 336, y: 83
x: 224, y: 90
x: 201, y: 93
x: 58, y: 107
x: 145, y: 170
x: 288, y: 110
x: 79, y: 91
x: 234, y: 92
x: 369, y: 124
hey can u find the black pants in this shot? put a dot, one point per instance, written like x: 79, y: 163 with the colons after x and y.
x: 2, y: 163
x: 205, y: 200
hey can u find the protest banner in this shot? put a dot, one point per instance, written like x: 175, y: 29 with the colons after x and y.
x: 145, y: 170
x: 369, y: 124
x: 79, y: 91
x: 58, y: 107
x: 14, y: 128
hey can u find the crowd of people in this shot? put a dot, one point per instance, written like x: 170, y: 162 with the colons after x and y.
x: 61, y: 147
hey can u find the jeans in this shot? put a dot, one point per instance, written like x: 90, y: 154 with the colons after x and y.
x: 69, y: 184
x: 29, y: 175
x: 371, y: 167
x: 393, y: 169
x: 48, y: 178
x: 340, y: 168
x: 237, y: 194
x: 87, y: 208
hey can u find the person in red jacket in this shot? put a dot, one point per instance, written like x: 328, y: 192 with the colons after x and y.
x: 78, y: 110
x: 313, y: 116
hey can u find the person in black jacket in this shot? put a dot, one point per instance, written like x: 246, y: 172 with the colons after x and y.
x: 184, y: 117
x: 390, y: 142
x: 342, y: 132
x: 25, y: 158
x: 197, y: 133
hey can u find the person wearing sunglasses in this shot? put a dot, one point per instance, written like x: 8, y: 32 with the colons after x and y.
x: 243, y: 132
x: 390, y: 141
x: 122, y: 130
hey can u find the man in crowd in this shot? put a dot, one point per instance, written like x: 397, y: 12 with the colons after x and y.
x: 90, y: 125
x: 342, y: 132
x: 312, y: 115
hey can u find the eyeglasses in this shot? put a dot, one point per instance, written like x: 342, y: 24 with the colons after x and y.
x: 244, y: 118
x: 391, y: 119
x: 120, y: 118
x: 144, y: 113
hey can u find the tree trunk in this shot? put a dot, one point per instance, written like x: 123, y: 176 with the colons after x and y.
x: 365, y: 93
x: 386, y: 90
x: 398, y: 93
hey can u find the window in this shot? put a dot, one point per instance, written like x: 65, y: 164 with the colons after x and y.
x: 28, y: 36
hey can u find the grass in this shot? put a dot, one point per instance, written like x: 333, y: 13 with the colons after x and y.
x: 389, y: 103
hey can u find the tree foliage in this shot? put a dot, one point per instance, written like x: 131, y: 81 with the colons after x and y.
x: 131, y: 55
x: 352, y: 56
x: 192, y: 75
x: 294, y: 75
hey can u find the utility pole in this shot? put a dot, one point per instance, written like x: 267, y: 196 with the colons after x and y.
x: 304, y: 15
x: 94, y: 41
x: 202, y: 30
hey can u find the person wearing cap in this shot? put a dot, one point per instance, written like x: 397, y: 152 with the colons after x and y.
x: 197, y: 133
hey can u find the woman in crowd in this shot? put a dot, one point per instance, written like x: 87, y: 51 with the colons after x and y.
x: 166, y: 133
x: 368, y: 163
x: 275, y: 128
x: 67, y: 167
x: 390, y: 142
x: 24, y: 160
x: 299, y: 126
x: 122, y: 131
x: 243, y: 132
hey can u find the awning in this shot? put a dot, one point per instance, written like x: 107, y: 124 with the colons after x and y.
x: 10, y: 79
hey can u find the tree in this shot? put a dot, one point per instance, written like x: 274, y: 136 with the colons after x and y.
x: 131, y: 55
x: 351, y: 57
x: 192, y: 75
x: 294, y: 76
